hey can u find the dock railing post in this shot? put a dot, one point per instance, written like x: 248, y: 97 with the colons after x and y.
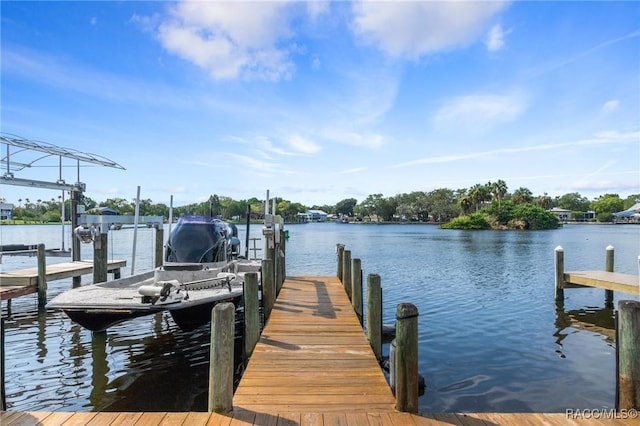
x: 42, y: 276
x: 251, y: 313
x: 356, y: 291
x: 221, y: 358
x: 268, y: 287
x: 3, y: 398
x: 608, y: 266
x: 559, y: 262
x: 340, y: 253
x: 374, y: 314
x: 406, y: 359
x: 346, y: 272
x: 100, y: 258
x: 159, y: 245
x: 628, y: 355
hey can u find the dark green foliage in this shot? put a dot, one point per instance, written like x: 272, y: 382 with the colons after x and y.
x: 534, y: 217
x: 472, y: 221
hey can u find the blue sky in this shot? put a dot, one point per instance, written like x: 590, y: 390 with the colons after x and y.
x: 322, y: 101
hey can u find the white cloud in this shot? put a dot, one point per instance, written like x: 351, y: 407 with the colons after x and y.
x: 412, y: 29
x: 366, y: 140
x: 611, y: 106
x: 481, y: 110
x: 231, y: 40
x: 302, y: 145
x: 495, y: 38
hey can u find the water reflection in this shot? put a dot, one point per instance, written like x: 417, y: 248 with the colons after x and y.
x: 595, y: 320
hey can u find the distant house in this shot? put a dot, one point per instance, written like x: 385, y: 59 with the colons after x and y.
x: 632, y: 214
x: 563, y: 215
x: 6, y: 211
x: 312, y: 216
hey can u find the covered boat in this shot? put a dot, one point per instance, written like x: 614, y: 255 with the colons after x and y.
x: 201, y: 269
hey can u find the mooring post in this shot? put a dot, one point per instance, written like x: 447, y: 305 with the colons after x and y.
x: 268, y: 287
x: 356, y: 288
x: 340, y: 253
x: 628, y: 355
x: 159, y: 245
x: 42, y: 276
x: 221, y: 358
x: 346, y: 272
x: 100, y: 255
x: 608, y: 266
x: 251, y: 313
x: 3, y: 398
x: 406, y: 362
x: 374, y: 314
x: 559, y: 262
x: 283, y: 253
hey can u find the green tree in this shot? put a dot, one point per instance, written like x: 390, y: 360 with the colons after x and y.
x: 606, y: 205
x: 442, y: 204
x: 522, y: 196
x: 345, y: 207
x: 573, y: 201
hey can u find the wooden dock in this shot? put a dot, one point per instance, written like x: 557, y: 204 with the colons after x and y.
x: 313, y: 356
x: 46, y: 418
x: 614, y: 281
x: 312, y: 366
x: 25, y: 281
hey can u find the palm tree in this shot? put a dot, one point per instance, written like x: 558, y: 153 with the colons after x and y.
x: 479, y: 194
x: 499, y: 190
x: 522, y: 196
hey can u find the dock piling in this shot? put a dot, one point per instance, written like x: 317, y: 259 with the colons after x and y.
x: 339, y: 253
x: 374, y: 314
x: 42, y: 277
x: 628, y: 355
x: 608, y: 294
x: 100, y: 257
x: 221, y: 358
x: 268, y: 287
x: 346, y: 272
x: 559, y: 262
x: 356, y: 288
x: 406, y: 359
x: 251, y: 314
x: 159, y: 247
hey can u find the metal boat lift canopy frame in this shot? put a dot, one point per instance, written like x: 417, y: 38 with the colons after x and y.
x: 48, y: 150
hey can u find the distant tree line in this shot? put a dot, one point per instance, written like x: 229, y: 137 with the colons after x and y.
x: 491, y: 201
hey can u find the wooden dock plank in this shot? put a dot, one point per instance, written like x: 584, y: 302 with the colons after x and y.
x: 55, y: 271
x: 313, y: 356
x: 310, y: 418
x: 615, y: 281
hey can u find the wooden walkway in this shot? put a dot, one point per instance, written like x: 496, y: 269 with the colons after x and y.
x: 313, y: 366
x: 25, y: 281
x: 45, y: 418
x: 313, y: 356
x: 615, y: 281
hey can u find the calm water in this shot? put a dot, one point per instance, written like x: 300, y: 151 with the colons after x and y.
x: 491, y: 338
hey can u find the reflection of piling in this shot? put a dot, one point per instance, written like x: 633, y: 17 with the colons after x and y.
x: 628, y: 355
x: 221, y: 358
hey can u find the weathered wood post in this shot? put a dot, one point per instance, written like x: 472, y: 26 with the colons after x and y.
x: 76, y: 195
x: 628, y: 355
x: 251, y: 313
x: 559, y: 262
x: 100, y: 255
x: 159, y: 245
x: 3, y: 398
x: 42, y: 276
x: 346, y: 272
x: 340, y: 253
x: 268, y: 287
x: 608, y: 266
x: 356, y: 290
x: 374, y: 314
x: 221, y: 358
x: 406, y: 362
